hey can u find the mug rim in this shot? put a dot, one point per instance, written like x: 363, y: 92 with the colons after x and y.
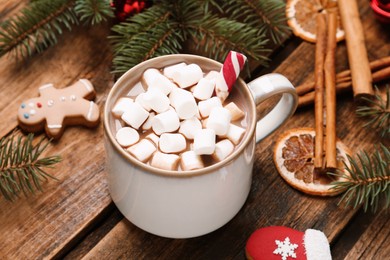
x: 175, y: 173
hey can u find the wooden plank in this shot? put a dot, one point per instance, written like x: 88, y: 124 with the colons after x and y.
x: 373, y: 244
x: 271, y: 200
x: 43, y: 225
x: 353, y: 234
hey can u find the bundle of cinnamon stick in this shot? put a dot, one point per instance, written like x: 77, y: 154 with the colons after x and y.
x: 380, y: 70
x: 325, y: 94
x: 362, y: 73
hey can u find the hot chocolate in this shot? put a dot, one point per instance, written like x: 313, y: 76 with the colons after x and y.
x: 171, y: 118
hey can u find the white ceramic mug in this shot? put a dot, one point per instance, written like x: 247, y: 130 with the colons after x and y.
x: 191, y: 203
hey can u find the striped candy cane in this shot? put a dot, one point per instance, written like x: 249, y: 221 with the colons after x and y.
x: 230, y: 71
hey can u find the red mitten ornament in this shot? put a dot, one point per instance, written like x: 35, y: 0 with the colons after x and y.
x: 283, y: 243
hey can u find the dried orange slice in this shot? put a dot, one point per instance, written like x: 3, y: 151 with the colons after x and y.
x: 301, y: 17
x: 294, y: 160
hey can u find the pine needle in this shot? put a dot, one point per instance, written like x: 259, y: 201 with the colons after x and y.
x: 368, y: 180
x: 268, y: 16
x: 144, y: 36
x: 168, y: 25
x: 21, y: 168
x: 219, y: 35
x: 93, y: 11
x: 40, y: 23
x: 378, y: 112
x: 36, y: 27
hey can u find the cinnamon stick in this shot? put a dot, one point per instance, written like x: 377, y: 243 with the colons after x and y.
x: 381, y: 74
x: 346, y: 75
x: 357, y: 52
x: 320, y: 51
x: 330, y: 93
x: 308, y: 97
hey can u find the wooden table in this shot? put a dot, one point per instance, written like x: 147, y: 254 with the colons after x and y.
x: 75, y: 217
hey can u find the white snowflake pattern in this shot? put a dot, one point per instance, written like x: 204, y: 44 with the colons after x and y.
x: 285, y: 248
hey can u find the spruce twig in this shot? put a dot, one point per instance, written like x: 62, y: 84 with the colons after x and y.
x: 93, y: 11
x: 21, y: 168
x: 218, y: 35
x: 379, y: 111
x: 40, y: 23
x: 368, y: 179
x: 268, y: 16
x: 143, y: 36
x: 168, y: 25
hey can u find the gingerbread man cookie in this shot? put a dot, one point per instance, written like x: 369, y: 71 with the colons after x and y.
x: 55, y: 108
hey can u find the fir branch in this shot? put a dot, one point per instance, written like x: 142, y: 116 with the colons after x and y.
x: 21, y: 168
x: 144, y: 36
x: 93, y: 11
x: 168, y: 25
x: 367, y: 181
x: 138, y: 24
x: 217, y: 36
x: 268, y: 16
x: 379, y: 111
x: 37, y: 27
x: 40, y: 23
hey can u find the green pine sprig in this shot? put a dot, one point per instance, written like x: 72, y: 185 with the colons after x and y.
x: 93, y: 11
x: 149, y: 34
x: 169, y: 25
x: 40, y: 23
x: 268, y: 16
x: 378, y: 110
x: 216, y: 36
x: 367, y: 181
x: 22, y: 170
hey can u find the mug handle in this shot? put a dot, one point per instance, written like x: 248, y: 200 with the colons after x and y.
x: 265, y: 87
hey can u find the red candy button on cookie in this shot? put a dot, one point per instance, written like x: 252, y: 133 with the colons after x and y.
x: 283, y: 243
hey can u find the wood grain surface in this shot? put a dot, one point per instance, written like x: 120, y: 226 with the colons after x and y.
x: 75, y: 217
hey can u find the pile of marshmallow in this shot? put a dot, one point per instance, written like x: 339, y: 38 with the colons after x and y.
x: 182, y: 119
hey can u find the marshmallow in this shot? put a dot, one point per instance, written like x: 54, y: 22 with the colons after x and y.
x: 118, y: 124
x: 219, y: 120
x: 137, y: 89
x: 204, y: 89
x: 127, y: 136
x: 190, y: 161
x: 165, y: 161
x: 153, y: 137
x: 213, y: 74
x: 140, y: 100
x: 156, y: 100
x: 221, y: 88
x: 204, y: 141
x: 135, y: 116
x: 172, y: 143
x: 235, y: 111
x: 235, y: 133
x: 142, y: 150
x: 204, y: 122
x: 189, y: 126
x: 187, y: 76
x: 148, y: 123
x: 154, y: 79
x: 166, y: 122
x: 223, y: 149
x: 169, y: 70
x: 205, y: 106
x: 121, y: 106
x: 184, y: 103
